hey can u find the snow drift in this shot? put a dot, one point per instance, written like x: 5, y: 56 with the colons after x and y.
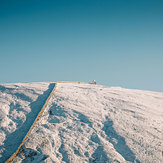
x: 81, y: 123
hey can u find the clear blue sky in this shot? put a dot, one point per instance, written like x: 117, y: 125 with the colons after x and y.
x: 116, y: 42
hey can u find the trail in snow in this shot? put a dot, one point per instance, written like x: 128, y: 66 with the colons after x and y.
x: 91, y: 123
x: 19, y: 106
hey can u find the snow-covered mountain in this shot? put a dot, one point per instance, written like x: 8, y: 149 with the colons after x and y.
x: 81, y: 123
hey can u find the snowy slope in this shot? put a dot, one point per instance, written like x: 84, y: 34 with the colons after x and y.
x: 19, y: 106
x: 91, y: 123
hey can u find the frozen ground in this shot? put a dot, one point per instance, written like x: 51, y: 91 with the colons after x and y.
x: 19, y: 106
x: 83, y: 123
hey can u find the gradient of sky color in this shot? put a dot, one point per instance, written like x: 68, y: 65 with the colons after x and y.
x: 116, y: 42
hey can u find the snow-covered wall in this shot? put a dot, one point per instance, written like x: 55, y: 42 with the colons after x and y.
x: 19, y: 106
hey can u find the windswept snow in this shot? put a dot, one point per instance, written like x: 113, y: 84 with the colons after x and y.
x: 19, y: 106
x: 85, y: 123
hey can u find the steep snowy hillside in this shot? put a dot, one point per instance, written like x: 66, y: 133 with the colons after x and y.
x: 84, y: 123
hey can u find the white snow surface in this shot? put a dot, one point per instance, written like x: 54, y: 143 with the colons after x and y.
x: 81, y: 123
x: 19, y: 106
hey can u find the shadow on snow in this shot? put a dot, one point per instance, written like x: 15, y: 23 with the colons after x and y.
x: 14, y: 139
x: 118, y: 141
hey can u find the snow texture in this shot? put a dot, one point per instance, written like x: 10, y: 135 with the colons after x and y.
x: 19, y: 106
x: 81, y: 123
